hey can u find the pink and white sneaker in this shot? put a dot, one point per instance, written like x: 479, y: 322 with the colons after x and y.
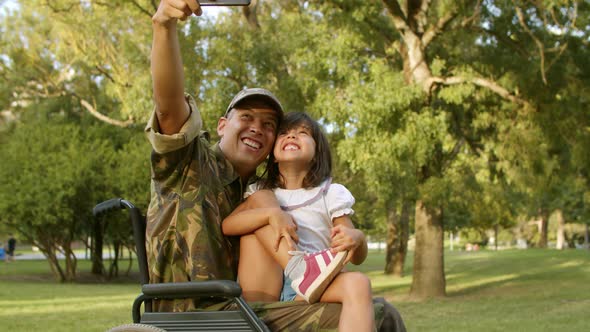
x: 312, y: 273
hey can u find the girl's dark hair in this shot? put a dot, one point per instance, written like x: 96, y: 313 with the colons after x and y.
x: 321, y: 165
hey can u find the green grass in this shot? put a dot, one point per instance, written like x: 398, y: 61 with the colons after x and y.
x: 528, y: 290
x: 31, y: 301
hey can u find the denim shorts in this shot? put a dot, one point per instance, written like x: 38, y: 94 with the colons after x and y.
x: 288, y: 293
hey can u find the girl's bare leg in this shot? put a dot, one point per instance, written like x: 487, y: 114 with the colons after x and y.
x: 353, y: 290
x: 260, y: 271
x: 260, y: 277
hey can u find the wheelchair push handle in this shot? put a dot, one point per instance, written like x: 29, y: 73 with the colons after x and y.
x: 138, y: 224
x: 111, y: 205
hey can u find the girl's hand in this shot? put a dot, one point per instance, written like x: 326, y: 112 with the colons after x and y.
x: 346, y: 238
x: 284, y: 227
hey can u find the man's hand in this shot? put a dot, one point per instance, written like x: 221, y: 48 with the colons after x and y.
x: 346, y: 238
x: 171, y: 10
x: 284, y: 227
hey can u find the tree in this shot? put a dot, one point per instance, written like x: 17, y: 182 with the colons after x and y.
x: 48, y: 198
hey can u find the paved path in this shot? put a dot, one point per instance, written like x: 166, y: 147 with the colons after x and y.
x: 40, y: 256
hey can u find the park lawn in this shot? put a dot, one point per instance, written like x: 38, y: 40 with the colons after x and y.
x: 512, y: 290
x: 30, y: 300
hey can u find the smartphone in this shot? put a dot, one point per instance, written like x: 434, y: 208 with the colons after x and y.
x: 224, y: 2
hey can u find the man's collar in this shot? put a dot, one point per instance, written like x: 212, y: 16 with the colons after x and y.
x: 227, y: 172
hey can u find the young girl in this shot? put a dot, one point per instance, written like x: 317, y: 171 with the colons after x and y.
x: 298, y: 187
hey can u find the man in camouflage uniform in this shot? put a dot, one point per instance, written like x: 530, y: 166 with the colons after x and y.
x: 196, y: 185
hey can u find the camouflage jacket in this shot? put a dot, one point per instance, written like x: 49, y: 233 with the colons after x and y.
x: 193, y: 188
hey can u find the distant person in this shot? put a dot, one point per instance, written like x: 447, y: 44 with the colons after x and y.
x: 10, y: 249
x: 2, y: 251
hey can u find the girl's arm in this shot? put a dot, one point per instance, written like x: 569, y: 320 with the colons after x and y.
x: 247, y: 221
x: 259, y: 210
x: 346, y: 237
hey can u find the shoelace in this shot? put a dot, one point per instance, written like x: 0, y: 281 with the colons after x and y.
x: 298, y: 252
x: 305, y: 252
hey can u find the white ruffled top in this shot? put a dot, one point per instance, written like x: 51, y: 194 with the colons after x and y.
x: 313, y: 210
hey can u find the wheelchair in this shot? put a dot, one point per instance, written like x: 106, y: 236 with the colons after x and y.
x: 242, y: 318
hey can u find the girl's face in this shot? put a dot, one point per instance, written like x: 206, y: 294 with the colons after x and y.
x: 295, y: 145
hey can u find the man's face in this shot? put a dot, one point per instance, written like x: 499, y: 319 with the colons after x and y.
x: 247, y: 137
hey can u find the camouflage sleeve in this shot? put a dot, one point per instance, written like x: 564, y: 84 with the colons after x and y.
x: 166, y: 143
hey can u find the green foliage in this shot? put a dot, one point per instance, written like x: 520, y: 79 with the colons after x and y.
x: 55, y: 172
x: 97, y: 52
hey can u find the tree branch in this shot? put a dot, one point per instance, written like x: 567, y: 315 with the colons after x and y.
x: 476, y: 13
x: 55, y: 8
x: 399, y: 19
x: 143, y: 10
x: 436, y: 29
x: 250, y: 13
x: 105, y: 118
x: 372, y: 24
x: 421, y: 16
x: 540, y: 45
x: 416, y: 11
x: 503, y: 38
x: 560, y: 51
x: 481, y: 82
x: 451, y: 156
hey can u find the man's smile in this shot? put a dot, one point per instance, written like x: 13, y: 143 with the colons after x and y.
x: 252, y: 143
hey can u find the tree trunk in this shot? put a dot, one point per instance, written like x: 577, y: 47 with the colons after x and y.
x: 560, y: 230
x: 429, y: 275
x: 393, y: 240
x: 130, y: 265
x: 404, y: 234
x: 418, y: 65
x: 587, y: 237
x: 56, y: 269
x: 398, y: 228
x: 496, y: 236
x: 114, y: 268
x: 97, y: 246
x: 71, y: 262
x: 542, y: 243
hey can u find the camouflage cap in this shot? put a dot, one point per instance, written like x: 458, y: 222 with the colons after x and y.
x: 256, y: 93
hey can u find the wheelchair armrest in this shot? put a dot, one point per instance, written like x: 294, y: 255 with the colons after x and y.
x: 221, y: 288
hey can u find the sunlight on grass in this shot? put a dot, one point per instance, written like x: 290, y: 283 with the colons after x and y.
x: 482, y: 282
x: 50, y: 302
x: 381, y: 280
x: 572, y: 264
x: 83, y: 305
